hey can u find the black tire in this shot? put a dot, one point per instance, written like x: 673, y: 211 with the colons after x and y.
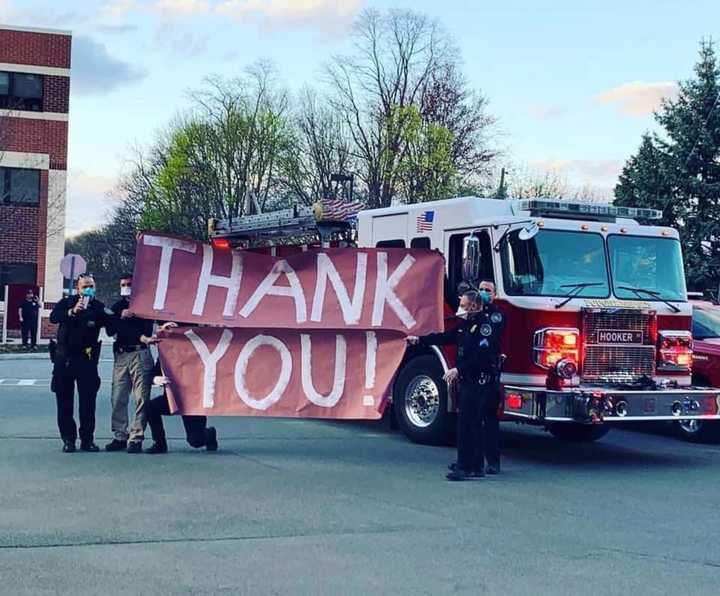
x: 425, y: 421
x: 579, y: 433
x: 698, y: 431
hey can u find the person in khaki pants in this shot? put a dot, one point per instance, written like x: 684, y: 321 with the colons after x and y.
x: 132, y: 372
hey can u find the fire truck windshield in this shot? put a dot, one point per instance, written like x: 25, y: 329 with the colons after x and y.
x: 553, y: 260
x: 647, y: 262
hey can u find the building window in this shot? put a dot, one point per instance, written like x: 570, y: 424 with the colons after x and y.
x: 21, y: 91
x: 16, y: 273
x: 20, y: 185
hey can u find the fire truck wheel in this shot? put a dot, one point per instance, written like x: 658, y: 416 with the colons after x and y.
x: 579, y: 433
x: 420, y: 402
x: 698, y: 431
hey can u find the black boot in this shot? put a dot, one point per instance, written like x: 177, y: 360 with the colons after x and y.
x: 134, y: 447
x: 89, y: 446
x: 116, y: 445
x: 157, y: 447
x: 211, y: 443
x: 69, y: 447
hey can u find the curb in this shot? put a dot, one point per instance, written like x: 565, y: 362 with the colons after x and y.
x: 21, y: 356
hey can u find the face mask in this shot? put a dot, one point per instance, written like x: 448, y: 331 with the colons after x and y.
x: 461, y: 313
x: 485, y: 297
x: 89, y: 292
x: 125, y: 291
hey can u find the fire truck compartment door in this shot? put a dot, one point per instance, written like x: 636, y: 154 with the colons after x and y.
x: 388, y: 228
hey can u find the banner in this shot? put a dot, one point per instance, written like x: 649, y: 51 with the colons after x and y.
x: 343, y: 289
x: 244, y: 372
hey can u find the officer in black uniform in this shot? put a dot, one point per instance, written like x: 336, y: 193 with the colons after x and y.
x: 477, y: 371
x: 28, y: 311
x: 75, y: 360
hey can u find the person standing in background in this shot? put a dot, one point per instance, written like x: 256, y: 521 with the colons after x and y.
x: 28, y: 312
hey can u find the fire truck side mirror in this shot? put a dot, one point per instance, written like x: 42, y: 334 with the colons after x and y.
x: 529, y: 231
x: 471, y: 259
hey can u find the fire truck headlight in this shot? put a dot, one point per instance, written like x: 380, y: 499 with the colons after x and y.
x: 566, y: 369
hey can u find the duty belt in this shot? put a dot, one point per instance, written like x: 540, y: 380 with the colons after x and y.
x: 128, y: 349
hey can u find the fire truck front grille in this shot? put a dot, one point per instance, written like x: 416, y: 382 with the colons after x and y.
x: 619, y: 344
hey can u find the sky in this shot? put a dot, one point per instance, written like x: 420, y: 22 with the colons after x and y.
x: 573, y: 83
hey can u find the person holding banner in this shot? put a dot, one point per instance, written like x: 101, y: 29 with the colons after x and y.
x: 477, y: 372
x: 75, y: 361
x: 132, y: 371
x: 197, y: 432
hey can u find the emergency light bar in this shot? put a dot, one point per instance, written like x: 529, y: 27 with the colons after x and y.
x: 584, y: 210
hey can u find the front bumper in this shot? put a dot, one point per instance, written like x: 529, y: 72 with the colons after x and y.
x: 594, y: 405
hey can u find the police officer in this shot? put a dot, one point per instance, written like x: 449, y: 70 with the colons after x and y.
x: 28, y: 311
x: 477, y: 371
x: 75, y: 361
x: 132, y: 370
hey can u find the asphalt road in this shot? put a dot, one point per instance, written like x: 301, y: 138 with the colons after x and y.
x: 306, y: 507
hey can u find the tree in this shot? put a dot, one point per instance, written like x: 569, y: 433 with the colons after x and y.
x: 645, y: 181
x: 320, y: 148
x: 449, y: 102
x: 686, y: 162
x: 402, y: 59
x: 222, y: 159
x: 425, y: 169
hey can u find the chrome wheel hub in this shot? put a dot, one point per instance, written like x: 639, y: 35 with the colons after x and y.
x: 690, y: 426
x: 422, y: 401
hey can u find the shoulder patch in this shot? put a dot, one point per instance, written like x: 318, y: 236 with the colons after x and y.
x: 485, y: 330
x: 496, y: 317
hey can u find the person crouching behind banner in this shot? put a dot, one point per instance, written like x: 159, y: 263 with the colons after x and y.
x: 197, y: 432
x: 477, y: 373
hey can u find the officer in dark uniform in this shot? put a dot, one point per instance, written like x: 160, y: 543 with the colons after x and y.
x: 29, y: 311
x: 477, y: 371
x: 75, y: 361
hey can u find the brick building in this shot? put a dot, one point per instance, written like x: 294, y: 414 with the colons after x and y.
x: 34, y: 107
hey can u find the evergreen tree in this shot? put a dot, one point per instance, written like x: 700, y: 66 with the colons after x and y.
x: 683, y: 165
x: 644, y: 182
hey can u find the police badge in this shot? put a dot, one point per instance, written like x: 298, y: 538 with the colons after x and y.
x: 496, y: 317
x: 485, y: 330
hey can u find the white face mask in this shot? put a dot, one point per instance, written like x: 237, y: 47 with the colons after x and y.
x: 125, y: 291
x: 461, y: 313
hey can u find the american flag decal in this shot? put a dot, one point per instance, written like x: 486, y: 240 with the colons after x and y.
x: 425, y: 221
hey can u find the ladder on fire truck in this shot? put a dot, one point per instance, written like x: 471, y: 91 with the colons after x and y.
x: 326, y: 220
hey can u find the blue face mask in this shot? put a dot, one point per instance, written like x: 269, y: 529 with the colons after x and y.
x: 485, y: 296
x: 89, y: 292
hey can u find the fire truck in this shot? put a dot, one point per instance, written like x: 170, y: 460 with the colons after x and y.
x: 598, y: 322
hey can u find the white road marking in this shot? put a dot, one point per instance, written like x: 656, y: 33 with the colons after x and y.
x: 23, y: 383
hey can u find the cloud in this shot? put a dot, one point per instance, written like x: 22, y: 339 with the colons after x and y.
x: 116, y: 29
x: 185, y: 44
x: 638, y: 98
x: 326, y: 15
x: 600, y: 174
x: 89, y: 201
x: 96, y: 72
x: 545, y: 112
x: 274, y: 14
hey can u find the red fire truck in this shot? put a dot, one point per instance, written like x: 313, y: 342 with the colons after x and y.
x: 598, y: 322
